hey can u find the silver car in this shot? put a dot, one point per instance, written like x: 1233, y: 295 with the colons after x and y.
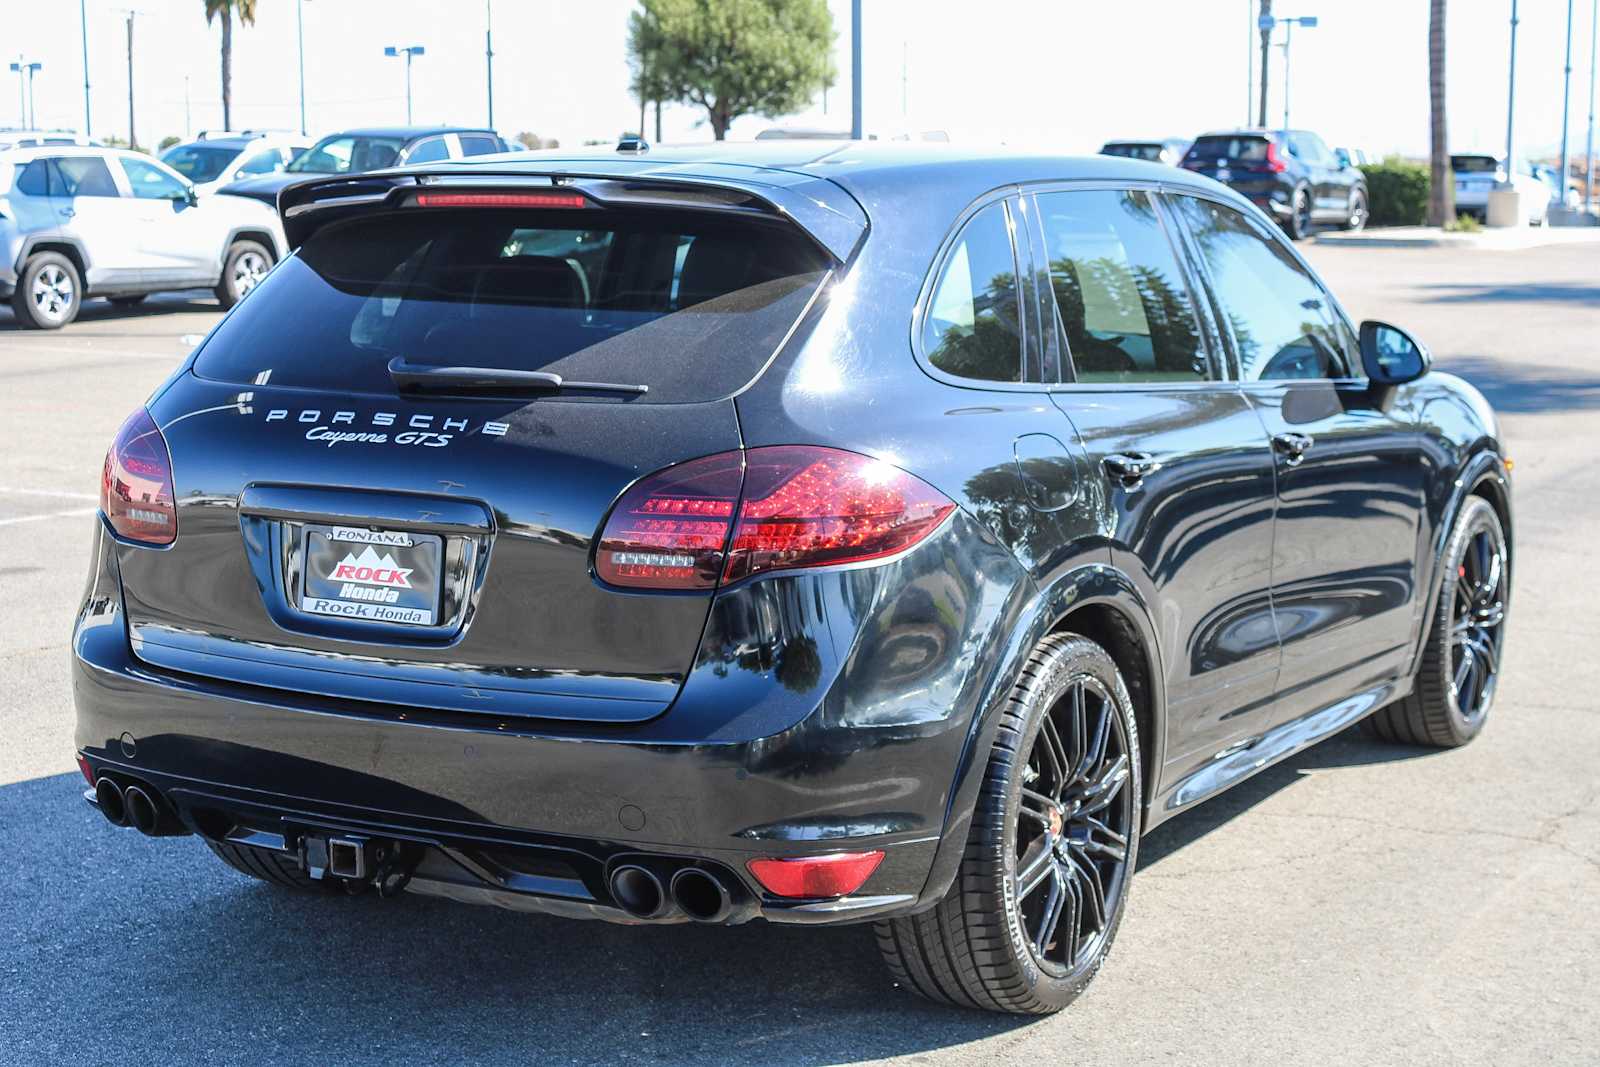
x: 78, y: 222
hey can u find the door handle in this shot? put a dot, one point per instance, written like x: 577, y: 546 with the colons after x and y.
x: 67, y: 213
x: 1128, y: 469
x: 1293, y: 446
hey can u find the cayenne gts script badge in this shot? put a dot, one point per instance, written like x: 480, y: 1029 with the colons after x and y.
x: 383, y: 427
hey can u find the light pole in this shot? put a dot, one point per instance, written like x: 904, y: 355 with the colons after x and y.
x: 25, y: 102
x: 1588, y: 148
x: 1566, y: 106
x: 408, y: 51
x: 855, y: 69
x: 488, y: 57
x: 83, y: 21
x: 1267, y: 23
x: 300, y: 36
x: 1511, y: 100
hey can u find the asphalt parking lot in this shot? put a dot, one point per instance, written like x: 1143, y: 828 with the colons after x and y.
x: 1362, y: 903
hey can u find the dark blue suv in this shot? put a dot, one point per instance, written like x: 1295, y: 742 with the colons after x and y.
x: 1290, y: 174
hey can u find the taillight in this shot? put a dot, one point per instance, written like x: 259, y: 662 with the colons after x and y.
x: 136, y: 491
x: 836, y: 875
x: 800, y: 506
x: 1275, y: 162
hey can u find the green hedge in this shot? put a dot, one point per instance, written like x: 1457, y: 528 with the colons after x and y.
x: 1398, y: 192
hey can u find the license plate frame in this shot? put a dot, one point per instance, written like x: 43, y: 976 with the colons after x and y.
x: 365, y: 574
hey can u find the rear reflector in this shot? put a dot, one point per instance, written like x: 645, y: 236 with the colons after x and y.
x: 502, y: 200
x: 837, y: 875
x: 801, y: 506
x: 86, y: 770
x: 136, y: 491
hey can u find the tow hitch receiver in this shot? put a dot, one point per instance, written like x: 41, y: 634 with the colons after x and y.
x: 336, y: 857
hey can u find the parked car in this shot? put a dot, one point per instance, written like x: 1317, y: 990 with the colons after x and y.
x: 215, y: 160
x: 1169, y: 151
x: 1290, y: 174
x: 10, y: 139
x: 654, y: 579
x: 1352, y: 157
x: 86, y: 222
x: 356, y: 151
x: 1568, y: 194
x: 1477, y: 175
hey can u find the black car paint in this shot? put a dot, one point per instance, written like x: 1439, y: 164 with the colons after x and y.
x: 821, y: 710
x: 1330, y: 181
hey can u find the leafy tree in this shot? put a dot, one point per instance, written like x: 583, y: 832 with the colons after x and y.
x: 731, y: 57
x: 225, y: 10
x: 533, y: 140
x: 167, y: 142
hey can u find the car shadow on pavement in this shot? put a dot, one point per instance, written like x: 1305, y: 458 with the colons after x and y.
x: 1523, y: 388
x: 150, y: 948
x: 1519, y: 293
x: 1351, y: 747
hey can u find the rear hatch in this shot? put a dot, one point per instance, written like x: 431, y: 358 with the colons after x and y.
x: 1247, y: 162
x: 391, y: 460
x: 1475, y: 176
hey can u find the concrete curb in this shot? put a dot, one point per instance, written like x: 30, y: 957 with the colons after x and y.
x: 1511, y: 239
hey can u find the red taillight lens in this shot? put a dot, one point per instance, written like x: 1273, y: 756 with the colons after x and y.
x: 837, y: 875
x: 502, y: 200
x: 802, y: 506
x: 86, y: 770
x: 670, y: 529
x: 1275, y: 162
x: 810, y: 507
x: 136, y: 491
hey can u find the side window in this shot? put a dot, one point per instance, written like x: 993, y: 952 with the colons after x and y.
x: 1283, y: 323
x: 478, y: 144
x: 971, y: 328
x: 34, y: 180
x: 1125, y: 306
x: 150, y: 182
x: 429, y: 151
x: 84, y: 176
x: 268, y: 162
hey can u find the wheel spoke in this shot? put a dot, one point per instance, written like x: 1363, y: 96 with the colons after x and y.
x: 1074, y: 913
x: 1036, y: 806
x: 1060, y: 766
x: 1094, y: 890
x: 1110, y: 844
x: 1050, y: 917
x: 1106, y: 786
x: 1097, y: 748
x: 1035, y: 865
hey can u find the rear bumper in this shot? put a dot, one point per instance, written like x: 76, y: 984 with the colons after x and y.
x: 811, y: 758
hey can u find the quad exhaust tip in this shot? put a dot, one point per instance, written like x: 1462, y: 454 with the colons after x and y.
x: 108, y: 796
x: 142, y: 813
x: 701, y: 895
x: 638, y: 892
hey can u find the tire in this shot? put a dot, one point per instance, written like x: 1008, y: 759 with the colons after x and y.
x: 1456, y: 681
x: 1298, y: 223
x: 246, y: 263
x: 49, y: 292
x: 977, y: 948
x: 1356, y: 220
x: 267, y: 866
x: 127, y: 301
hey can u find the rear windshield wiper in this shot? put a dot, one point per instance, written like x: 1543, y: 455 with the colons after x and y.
x: 427, y: 378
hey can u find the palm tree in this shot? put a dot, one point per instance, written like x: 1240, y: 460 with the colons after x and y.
x: 246, y: 10
x: 1441, y: 186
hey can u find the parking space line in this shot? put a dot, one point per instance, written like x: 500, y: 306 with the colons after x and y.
x: 48, y: 515
x: 11, y: 490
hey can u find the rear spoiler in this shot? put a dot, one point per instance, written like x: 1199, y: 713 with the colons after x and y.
x: 824, y: 211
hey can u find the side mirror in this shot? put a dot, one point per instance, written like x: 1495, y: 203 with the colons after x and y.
x: 1390, y: 356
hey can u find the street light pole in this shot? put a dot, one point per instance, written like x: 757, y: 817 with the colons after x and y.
x: 1288, y: 37
x: 132, y: 140
x: 855, y: 69
x: 408, y: 51
x: 488, y: 56
x: 1266, y: 24
x: 1566, y: 105
x: 1588, y: 148
x: 83, y: 22
x: 1511, y: 100
x: 300, y: 36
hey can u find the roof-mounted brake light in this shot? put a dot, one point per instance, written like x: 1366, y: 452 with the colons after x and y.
x: 537, y: 199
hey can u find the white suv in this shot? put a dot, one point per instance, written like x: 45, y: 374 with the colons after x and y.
x: 77, y: 222
x: 216, y: 159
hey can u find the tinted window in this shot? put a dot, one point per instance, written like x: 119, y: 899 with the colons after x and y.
x: 84, y: 176
x: 341, y: 154
x: 34, y: 180
x: 1124, y: 304
x: 1283, y: 323
x: 689, y: 307
x: 1248, y: 149
x: 1474, y: 164
x: 1132, y: 151
x: 268, y: 162
x: 429, y: 151
x: 478, y: 144
x: 150, y: 182
x: 199, y: 162
x: 971, y: 329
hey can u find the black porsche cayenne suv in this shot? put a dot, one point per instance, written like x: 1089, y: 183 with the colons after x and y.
x: 1292, y: 175
x: 819, y: 534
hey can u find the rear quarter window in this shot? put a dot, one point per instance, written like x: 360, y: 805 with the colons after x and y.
x: 686, y: 304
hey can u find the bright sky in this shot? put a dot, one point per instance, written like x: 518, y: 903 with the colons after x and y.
x: 1062, y: 74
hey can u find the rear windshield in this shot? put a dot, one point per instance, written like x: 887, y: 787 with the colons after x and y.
x: 1474, y: 164
x: 1132, y: 150
x: 686, y: 304
x: 1248, y: 149
x: 199, y: 163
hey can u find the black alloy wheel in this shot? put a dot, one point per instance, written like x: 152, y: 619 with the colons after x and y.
x: 1300, y: 214
x: 1043, y: 883
x: 1357, y: 219
x: 1460, y: 664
